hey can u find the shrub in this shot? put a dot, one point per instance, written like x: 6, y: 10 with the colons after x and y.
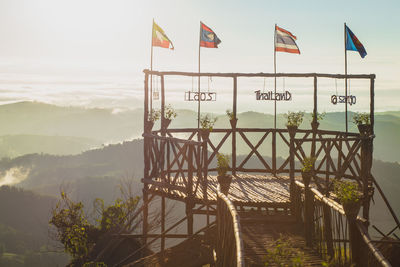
x: 170, y: 113
x: 361, y: 118
x: 294, y: 118
x: 222, y: 164
x: 207, y: 123
x: 347, y: 192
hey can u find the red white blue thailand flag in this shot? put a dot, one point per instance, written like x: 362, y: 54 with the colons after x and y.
x: 285, y: 41
x: 208, y: 38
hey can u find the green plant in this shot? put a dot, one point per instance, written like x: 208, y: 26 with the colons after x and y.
x: 284, y: 254
x: 361, y: 118
x: 169, y: 113
x: 222, y: 164
x: 308, y: 164
x: 154, y: 115
x: 347, y: 192
x: 294, y: 118
x: 319, y: 116
x: 207, y: 122
x: 230, y: 114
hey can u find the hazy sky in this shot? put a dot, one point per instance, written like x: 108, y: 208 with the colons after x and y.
x: 93, y: 51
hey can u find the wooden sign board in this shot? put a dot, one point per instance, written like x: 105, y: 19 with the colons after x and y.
x: 285, y: 96
x: 204, y: 96
x: 351, y: 99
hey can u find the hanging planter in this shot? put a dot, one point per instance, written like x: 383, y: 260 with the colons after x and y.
x: 307, y: 170
x: 169, y: 115
x: 232, y: 119
x: 207, y: 124
x: 153, y: 116
x: 349, y: 196
x: 294, y: 119
x: 223, y: 178
x: 363, y: 123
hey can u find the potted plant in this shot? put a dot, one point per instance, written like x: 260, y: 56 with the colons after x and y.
x: 316, y: 118
x: 307, y: 169
x: 349, y: 196
x: 232, y: 118
x: 169, y: 114
x: 294, y: 119
x: 153, y: 116
x: 224, y: 179
x: 207, y: 124
x: 362, y: 121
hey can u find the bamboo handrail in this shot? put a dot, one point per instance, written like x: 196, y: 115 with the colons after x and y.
x: 359, y: 223
x: 236, y: 227
x: 372, y: 248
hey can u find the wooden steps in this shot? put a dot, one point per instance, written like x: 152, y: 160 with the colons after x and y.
x: 263, y: 237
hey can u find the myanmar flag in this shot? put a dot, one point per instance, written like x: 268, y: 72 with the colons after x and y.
x: 160, y: 38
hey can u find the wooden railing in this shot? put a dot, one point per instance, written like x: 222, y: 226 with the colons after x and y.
x: 172, y: 163
x: 229, y: 245
x: 337, y: 238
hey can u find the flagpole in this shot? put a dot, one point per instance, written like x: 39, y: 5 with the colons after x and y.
x: 345, y: 73
x: 151, y: 69
x: 198, y: 88
x: 275, y: 77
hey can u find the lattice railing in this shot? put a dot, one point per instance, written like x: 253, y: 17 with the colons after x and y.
x: 172, y: 164
x: 337, y: 239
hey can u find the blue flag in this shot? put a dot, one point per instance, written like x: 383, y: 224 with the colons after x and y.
x: 353, y: 44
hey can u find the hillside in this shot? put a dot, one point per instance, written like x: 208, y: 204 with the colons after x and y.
x: 32, y: 127
x: 99, y: 172
x: 24, y: 231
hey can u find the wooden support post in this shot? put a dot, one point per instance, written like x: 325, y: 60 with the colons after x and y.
x: 366, y: 164
x: 189, y: 198
x: 146, y: 158
x: 234, y: 126
x: 163, y: 124
x: 314, y: 123
x: 328, y: 230
x: 205, y: 175
x: 292, y: 135
x: 274, y: 152
x: 162, y: 224
x: 308, y: 214
x: 355, y: 242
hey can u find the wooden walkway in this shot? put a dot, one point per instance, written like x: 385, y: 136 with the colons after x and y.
x: 245, y: 189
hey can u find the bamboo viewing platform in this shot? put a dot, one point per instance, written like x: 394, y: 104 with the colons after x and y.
x: 264, y: 201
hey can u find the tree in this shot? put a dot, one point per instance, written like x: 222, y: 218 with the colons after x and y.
x: 79, y: 235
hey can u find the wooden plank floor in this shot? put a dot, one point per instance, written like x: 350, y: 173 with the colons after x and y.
x: 260, y: 239
x: 245, y: 188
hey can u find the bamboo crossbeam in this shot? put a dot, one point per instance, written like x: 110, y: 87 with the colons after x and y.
x: 260, y: 74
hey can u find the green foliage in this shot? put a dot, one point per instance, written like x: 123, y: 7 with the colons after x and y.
x: 347, y: 191
x: 78, y: 235
x: 222, y: 164
x: 294, y: 118
x: 361, y: 118
x: 169, y: 112
x: 283, y: 254
x: 230, y: 114
x: 207, y: 122
x: 308, y: 164
x: 94, y: 264
x: 320, y: 116
x: 154, y: 115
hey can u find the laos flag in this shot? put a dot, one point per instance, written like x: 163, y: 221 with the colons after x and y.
x: 208, y: 38
x: 353, y: 44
